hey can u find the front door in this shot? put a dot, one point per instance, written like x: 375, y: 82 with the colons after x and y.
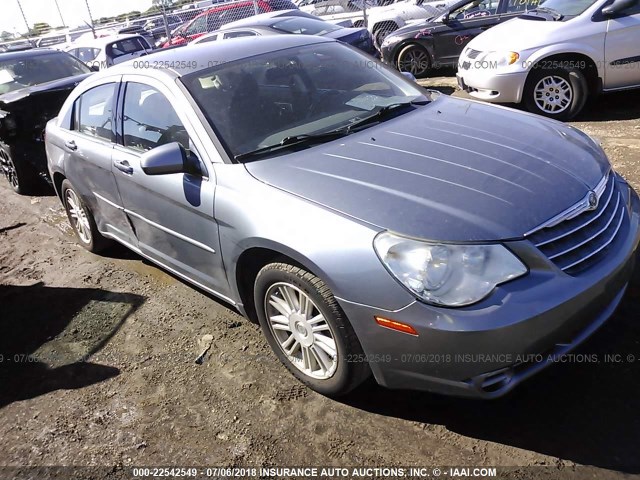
x: 622, y: 55
x: 173, y: 214
x: 465, y: 23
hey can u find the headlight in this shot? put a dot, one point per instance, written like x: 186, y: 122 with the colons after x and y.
x: 500, y: 59
x: 389, y: 39
x: 446, y: 274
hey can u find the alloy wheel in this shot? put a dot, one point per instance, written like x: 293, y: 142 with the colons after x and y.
x: 9, y: 169
x: 301, y: 330
x: 415, y: 60
x: 553, y: 94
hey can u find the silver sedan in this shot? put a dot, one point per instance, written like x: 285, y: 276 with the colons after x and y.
x: 369, y: 225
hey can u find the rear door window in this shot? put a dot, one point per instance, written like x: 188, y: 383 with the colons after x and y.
x: 94, y: 112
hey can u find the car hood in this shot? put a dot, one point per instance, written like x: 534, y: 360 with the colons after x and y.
x: 520, y: 34
x: 452, y: 170
x: 345, y: 33
x: 66, y: 83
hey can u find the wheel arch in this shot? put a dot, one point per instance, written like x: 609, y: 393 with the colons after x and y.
x: 254, y: 258
x: 591, y: 71
x: 57, y: 179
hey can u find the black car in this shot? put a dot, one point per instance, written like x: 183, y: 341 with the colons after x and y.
x: 437, y: 42
x: 33, y: 86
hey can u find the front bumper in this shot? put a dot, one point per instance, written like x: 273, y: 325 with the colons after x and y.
x: 485, y: 350
x: 492, y: 87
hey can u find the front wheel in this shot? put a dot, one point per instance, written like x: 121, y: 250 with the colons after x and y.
x: 307, y: 329
x: 556, y: 93
x: 414, y: 59
x: 21, y: 177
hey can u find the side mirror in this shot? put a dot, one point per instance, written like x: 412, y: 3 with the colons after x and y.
x: 409, y: 76
x: 164, y: 160
x: 446, y: 18
x: 94, y: 68
x: 617, y: 6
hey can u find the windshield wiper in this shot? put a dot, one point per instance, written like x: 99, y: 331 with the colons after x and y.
x: 310, y: 138
x: 307, y: 138
x: 554, y: 13
x: 381, y: 113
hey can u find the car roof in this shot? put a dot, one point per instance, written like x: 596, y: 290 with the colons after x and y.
x: 206, y: 55
x: 102, y: 41
x: 35, y: 52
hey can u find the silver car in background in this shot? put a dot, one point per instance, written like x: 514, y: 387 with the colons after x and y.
x: 552, y: 58
x: 369, y: 225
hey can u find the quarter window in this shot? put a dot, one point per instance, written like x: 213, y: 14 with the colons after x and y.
x: 150, y: 120
x: 94, y: 112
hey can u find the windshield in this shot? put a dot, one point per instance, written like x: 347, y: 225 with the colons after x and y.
x: 262, y: 100
x: 568, y: 8
x: 24, y: 72
x: 304, y: 26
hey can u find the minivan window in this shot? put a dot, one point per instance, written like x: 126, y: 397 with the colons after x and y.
x: 124, y: 47
x: 149, y: 119
x: 94, y: 112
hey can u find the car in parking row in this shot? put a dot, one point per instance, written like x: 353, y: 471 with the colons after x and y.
x: 281, y: 23
x: 33, y: 86
x: 370, y: 226
x: 424, y: 47
x: 554, y: 57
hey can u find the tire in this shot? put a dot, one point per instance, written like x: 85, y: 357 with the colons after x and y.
x: 20, y: 175
x: 414, y: 59
x: 281, y: 285
x: 568, y: 85
x: 81, y: 220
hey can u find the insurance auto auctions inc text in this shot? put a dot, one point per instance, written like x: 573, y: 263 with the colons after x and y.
x: 369, y: 472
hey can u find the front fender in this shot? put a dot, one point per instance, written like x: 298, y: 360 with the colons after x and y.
x: 333, y: 246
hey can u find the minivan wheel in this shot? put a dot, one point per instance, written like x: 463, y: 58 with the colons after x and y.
x: 307, y: 329
x: 556, y: 93
x: 21, y: 177
x: 81, y: 220
x: 414, y: 59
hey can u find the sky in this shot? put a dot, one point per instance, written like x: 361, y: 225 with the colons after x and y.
x: 74, y: 12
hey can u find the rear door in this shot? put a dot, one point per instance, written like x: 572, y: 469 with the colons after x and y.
x: 465, y: 23
x: 172, y: 215
x: 88, y: 149
x: 622, y: 51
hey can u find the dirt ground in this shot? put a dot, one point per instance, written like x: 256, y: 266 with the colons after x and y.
x: 98, y: 368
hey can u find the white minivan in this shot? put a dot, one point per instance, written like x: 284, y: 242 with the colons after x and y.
x: 101, y: 53
x: 553, y: 57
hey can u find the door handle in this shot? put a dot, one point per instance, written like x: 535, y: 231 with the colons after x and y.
x: 123, y: 166
x: 71, y: 145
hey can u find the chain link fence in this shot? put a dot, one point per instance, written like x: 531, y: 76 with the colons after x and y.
x: 172, y: 25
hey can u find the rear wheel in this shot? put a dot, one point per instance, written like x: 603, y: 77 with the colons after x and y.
x: 556, y: 93
x: 82, y: 221
x: 307, y: 329
x: 21, y: 177
x: 414, y: 59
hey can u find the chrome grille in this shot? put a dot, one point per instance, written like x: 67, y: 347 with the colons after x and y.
x: 582, y: 238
